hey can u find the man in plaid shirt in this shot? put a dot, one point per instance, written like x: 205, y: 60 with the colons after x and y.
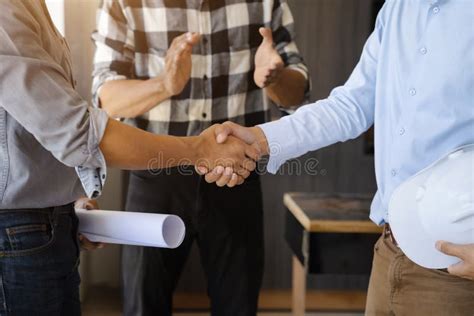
x: 177, y: 67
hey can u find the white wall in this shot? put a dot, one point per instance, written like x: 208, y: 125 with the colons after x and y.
x: 56, y: 10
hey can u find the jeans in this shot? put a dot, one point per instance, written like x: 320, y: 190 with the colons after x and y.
x: 39, y: 257
x: 227, y: 225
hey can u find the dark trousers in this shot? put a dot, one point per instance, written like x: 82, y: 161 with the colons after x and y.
x: 227, y: 225
x: 39, y: 257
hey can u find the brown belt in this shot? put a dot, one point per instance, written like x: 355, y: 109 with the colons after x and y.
x: 388, y: 234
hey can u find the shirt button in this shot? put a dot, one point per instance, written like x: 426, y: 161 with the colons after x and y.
x: 204, y: 115
x: 412, y: 91
x: 401, y: 131
x: 204, y: 77
x: 436, y: 9
x: 423, y: 50
x: 393, y: 172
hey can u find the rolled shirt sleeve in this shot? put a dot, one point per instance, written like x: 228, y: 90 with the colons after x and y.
x: 344, y: 115
x: 114, y: 55
x: 38, y: 93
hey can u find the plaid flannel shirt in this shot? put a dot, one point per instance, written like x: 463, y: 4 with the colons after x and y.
x: 133, y: 36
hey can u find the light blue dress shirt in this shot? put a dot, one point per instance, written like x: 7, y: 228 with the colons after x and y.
x: 414, y: 82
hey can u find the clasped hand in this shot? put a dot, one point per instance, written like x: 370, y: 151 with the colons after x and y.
x: 236, y: 150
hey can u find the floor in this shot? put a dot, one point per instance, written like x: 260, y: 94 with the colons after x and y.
x: 102, y: 302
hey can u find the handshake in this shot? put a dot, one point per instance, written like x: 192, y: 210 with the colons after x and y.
x: 227, y: 153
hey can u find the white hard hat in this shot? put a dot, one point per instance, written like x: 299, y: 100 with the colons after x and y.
x: 435, y: 204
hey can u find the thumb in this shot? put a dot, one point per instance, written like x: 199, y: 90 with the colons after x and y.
x: 451, y: 249
x: 241, y: 132
x: 201, y: 170
x: 267, y: 35
x: 221, y: 132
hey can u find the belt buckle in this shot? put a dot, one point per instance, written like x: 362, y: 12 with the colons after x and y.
x: 388, y: 233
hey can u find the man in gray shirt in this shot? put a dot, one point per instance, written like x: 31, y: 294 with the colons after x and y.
x: 47, y: 130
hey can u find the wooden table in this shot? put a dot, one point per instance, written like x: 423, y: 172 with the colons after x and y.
x: 314, y: 218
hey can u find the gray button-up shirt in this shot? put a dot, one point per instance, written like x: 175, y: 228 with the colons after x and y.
x: 46, y: 128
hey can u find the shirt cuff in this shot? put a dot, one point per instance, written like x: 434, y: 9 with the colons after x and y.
x: 97, y: 86
x: 282, y: 145
x: 93, y: 172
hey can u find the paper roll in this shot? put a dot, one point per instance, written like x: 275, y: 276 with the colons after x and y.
x: 131, y: 228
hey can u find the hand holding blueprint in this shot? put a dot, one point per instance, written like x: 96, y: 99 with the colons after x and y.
x: 131, y: 228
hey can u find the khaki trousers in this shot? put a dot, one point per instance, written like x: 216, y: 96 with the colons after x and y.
x: 400, y: 287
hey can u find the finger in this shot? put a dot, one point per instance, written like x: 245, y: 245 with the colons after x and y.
x: 275, y: 74
x: 90, y: 245
x: 86, y: 244
x: 244, y: 173
x: 458, y: 269
x: 249, y: 164
x: 451, y: 249
x: 222, y: 131
x: 241, y: 181
x: 214, y: 175
x: 86, y: 204
x: 179, y: 46
x: 226, y: 177
x: 234, y: 180
x: 182, y: 51
x: 267, y: 35
x: 238, y: 131
x: 183, y: 44
x: 201, y: 170
x: 277, y: 63
x: 253, y: 152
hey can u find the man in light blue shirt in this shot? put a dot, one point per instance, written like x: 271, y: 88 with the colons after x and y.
x: 415, y: 83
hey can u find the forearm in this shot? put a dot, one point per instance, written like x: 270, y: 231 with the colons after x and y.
x: 130, y: 148
x: 289, y: 89
x: 131, y: 98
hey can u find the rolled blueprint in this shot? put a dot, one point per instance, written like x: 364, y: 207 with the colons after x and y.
x: 131, y: 228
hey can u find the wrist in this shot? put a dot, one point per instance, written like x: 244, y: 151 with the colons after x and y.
x: 194, y: 146
x: 261, y: 140
x: 160, y: 86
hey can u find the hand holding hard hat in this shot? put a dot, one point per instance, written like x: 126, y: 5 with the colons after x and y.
x: 464, y: 268
x: 437, y: 204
